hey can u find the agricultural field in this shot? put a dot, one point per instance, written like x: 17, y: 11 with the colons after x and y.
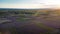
x: 30, y: 21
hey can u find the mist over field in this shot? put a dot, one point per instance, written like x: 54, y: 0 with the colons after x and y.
x: 30, y: 21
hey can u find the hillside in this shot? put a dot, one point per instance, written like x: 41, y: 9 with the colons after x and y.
x: 39, y: 20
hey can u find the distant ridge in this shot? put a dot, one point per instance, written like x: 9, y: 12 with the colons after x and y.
x: 20, y: 8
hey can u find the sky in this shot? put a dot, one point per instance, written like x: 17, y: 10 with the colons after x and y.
x: 29, y: 4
